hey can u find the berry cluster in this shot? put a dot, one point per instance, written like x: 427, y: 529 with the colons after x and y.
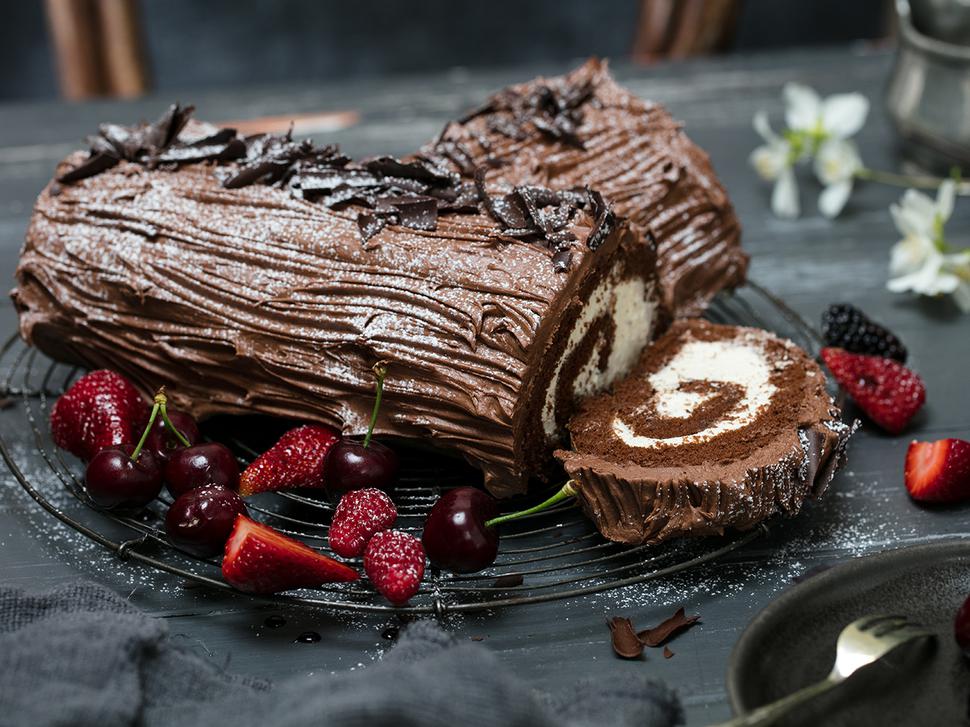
x: 133, y: 449
x: 393, y: 560
x: 867, y: 361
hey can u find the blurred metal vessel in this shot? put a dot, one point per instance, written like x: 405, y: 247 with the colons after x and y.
x: 928, y: 96
x: 946, y: 20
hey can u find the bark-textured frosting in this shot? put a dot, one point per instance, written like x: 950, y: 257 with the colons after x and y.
x: 717, y: 427
x: 584, y: 129
x: 253, y: 300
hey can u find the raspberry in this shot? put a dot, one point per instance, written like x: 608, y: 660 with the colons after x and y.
x: 359, y: 515
x: 845, y: 326
x: 394, y: 562
x: 888, y: 392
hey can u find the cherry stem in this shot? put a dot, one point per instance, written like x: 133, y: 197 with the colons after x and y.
x: 567, y: 491
x: 168, y: 422
x: 380, y: 371
x: 159, y: 404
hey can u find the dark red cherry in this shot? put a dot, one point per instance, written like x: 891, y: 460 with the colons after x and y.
x: 115, y: 481
x: 162, y: 443
x: 455, y: 537
x: 209, y: 463
x: 961, y: 627
x: 352, y: 466
x: 200, y: 520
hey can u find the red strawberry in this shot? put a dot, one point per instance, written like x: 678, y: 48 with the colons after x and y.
x: 298, y: 459
x: 394, y: 561
x: 101, y: 409
x: 887, y: 391
x: 359, y: 515
x: 261, y: 560
x: 938, y: 471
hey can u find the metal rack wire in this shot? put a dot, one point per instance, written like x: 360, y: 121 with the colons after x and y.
x: 553, y: 555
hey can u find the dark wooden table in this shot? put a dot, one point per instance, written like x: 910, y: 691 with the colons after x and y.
x: 811, y: 263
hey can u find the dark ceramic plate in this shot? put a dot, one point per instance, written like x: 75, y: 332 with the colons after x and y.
x: 792, y: 642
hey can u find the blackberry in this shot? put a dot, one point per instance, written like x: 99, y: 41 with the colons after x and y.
x: 845, y: 326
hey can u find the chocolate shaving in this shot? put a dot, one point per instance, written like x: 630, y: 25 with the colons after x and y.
x: 604, y: 219
x: 657, y: 635
x: 553, y: 111
x: 369, y: 225
x: 667, y: 652
x: 153, y: 144
x: 510, y: 581
x: 626, y: 644
x: 537, y: 214
x: 411, y: 193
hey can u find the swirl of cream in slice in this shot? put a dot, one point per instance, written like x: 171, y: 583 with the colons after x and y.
x: 631, y: 308
x: 742, y: 363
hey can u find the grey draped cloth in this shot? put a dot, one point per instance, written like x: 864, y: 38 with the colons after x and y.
x: 80, y: 655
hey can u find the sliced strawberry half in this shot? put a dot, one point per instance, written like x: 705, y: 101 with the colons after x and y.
x: 297, y: 460
x: 262, y: 560
x: 888, y: 392
x: 938, y: 471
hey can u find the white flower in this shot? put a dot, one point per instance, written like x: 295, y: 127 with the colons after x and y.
x: 784, y: 197
x: 773, y: 162
x: 961, y: 268
x: 816, y: 127
x: 920, y: 261
x: 919, y: 215
x: 836, y: 117
x: 836, y: 165
x: 910, y: 254
x: 939, y: 275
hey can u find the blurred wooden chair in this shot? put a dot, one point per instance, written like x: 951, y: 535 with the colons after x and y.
x: 98, y: 47
x: 99, y: 51
x: 682, y: 28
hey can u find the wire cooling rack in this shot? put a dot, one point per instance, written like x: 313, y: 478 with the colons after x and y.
x: 556, y: 554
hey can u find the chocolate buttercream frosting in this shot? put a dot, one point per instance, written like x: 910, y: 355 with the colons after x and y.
x: 252, y: 298
x: 717, y: 427
x: 584, y: 129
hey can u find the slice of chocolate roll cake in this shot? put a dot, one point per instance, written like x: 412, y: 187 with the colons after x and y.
x: 266, y: 275
x: 584, y: 129
x: 717, y: 427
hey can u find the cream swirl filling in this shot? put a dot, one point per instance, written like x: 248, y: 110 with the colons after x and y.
x: 632, y: 306
x: 743, y: 364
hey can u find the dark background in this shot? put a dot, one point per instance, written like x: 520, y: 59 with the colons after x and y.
x: 225, y: 43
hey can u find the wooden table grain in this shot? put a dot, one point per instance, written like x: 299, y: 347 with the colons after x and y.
x: 810, y: 262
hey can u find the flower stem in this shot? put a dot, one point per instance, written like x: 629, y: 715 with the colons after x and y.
x: 568, y: 490
x: 158, y: 405
x: 380, y: 371
x: 908, y: 180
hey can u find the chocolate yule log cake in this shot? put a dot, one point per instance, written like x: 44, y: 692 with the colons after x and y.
x: 716, y: 427
x: 266, y: 275
x: 584, y: 129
